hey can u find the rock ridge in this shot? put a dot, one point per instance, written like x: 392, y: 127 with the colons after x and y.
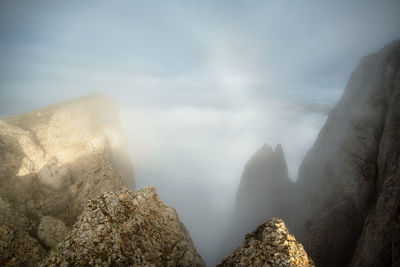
x: 126, y: 228
x: 349, y: 180
x: 270, y: 244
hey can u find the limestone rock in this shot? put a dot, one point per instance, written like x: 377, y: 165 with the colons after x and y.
x: 51, y: 231
x: 126, y: 228
x: 270, y: 244
x: 17, y: 246
x: 349, y: 179
x: 53, y: 159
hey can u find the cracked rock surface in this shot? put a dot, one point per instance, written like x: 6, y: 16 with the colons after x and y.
x: 126, y: 228
x: 270, y: 244
x: 53, y: 160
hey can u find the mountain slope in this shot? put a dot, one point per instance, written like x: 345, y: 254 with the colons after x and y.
x: 53, y: 160
x: 349, y: 180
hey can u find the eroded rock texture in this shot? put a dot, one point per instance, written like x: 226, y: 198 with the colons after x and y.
x: 126, y: 228
x: 350, y: 179
x: 18, y: 247
x: 54, y: 159
x: 270, y: 244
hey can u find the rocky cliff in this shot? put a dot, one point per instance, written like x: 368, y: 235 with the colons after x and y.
x: 52, y: 161
x: 265, y: 191
x: 350, y: 179
x: 270, y: 244
x: 264, y: 181
x: 126, y: 228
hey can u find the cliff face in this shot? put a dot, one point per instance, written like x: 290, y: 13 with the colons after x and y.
x: 270, y: 244
x: 264, y: 181
x: 350, y: 180
x: 264, y: 192
x: 126, y: 228
x: 54, y: 159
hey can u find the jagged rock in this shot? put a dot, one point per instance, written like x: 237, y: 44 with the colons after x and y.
x: 51, y: 231
x: 264, y: 192
x: 52, y: 160
x: 17, y: 246
x: 265, y: 179
x: 126, y: 228
x: 349, y: 179
x: 270, y: 244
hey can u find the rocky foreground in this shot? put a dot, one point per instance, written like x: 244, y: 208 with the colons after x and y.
x: 126, y: 228
x: 270, y: 244
x: 53, y: 160
x: 344, y: 206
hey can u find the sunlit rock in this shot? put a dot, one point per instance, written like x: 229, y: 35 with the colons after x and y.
x: 270, y: 244
x: 52, y: 160
x: 126, y: 228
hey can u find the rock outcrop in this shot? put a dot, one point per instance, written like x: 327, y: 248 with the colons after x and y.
x: 126, y: 228
x: 54, y: 159
x: 17, y: 246
x: 350, y: 179
x: 264, y: 192
x: 51, y: 231
x: 265, y: 179
x: 270, y: 244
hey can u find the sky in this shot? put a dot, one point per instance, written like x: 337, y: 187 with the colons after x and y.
x: 200, y: 85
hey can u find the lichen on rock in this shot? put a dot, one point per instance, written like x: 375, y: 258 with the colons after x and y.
x: 270, y: 244
x: 126, y: 228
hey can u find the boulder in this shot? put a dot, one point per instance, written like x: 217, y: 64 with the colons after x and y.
x: 51, y: 231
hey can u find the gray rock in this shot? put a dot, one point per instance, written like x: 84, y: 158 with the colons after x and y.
x: 264, y: 192
x: 17, y: 246
x: 270, y: 244
x: 51, y: 231
x: 126, y: 228
x: 52, y: 160
x: 349, y: 180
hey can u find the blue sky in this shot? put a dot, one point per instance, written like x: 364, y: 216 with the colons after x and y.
x: 200, y: 85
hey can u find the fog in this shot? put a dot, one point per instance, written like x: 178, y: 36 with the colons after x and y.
x: 200, y: 85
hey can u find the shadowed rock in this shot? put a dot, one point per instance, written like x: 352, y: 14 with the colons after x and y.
x: 264, y: 192
x: 349, y: 179
x: 17, y: 246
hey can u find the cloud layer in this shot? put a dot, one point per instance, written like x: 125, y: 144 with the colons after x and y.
x: 201, y: 85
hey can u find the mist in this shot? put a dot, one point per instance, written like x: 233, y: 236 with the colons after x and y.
x: 200, y: 85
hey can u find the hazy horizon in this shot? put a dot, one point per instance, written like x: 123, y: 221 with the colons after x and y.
x: 199, y: 85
